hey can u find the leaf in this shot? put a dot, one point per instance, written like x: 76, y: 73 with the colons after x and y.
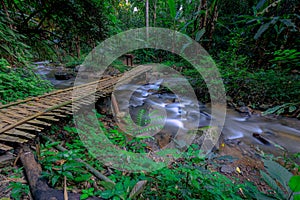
x: 265, y: 27
x: 107, y: 194
x: 199, y: 34
x: 83, y: 177
x: 272, y: 110
x: 137, y: 189
x: 272, y: 183
x: 107, y: 185
x: 261, y: 30
x: 260, y: 4
x: 288, y: 23
x: 172, y: 8
x: 297, y: 197
x: 278, y: 173
x: 262, y: 196
x: 280, y: 111
x: 54, y: 180
x: 84, y: 196
x: 294, y: 183
x: 292, y: 108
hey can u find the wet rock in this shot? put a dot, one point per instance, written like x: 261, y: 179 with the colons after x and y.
x: 260, y: 138
x: 244, y: 110
x: 76, y: 69
x: 227, y: 169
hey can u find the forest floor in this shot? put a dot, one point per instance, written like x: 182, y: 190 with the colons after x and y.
x: 235, y: 159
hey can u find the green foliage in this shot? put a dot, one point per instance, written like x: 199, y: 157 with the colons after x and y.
x: 172, y: 8
x: 71, y: 62
x: 55, y: 29
x: 187, y: 179
x: 287, y: 107
x: 142, y: 123
x: 268, y: 22
x: 87, y: 193
x: 18, y: 189
x: 58, y: 165
x: 294, y: 183
x: 287, y: 56
x: 121, y: 190
x: 20, y: 83
x: 12, y: 46
x: 117, y: 64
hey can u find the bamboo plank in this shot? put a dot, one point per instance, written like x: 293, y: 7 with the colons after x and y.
x: 48, y: 118
x: 60, y: 91
x: 14, y: 114
x: 64, y: 111
x: 30, y: 127
x: 10, y: 115
x: 38, y: 122
x: 20, y: 133
x: 57, y: 114
x: 20, y: 110
x: 9, y: 138
x: 7, y: 120
x: 43, y: 106
x: 5, y: 147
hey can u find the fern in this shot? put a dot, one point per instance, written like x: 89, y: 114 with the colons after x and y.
x: 140, y: 117
x: 140, y: 126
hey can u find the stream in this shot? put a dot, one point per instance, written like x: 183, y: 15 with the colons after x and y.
x: 47, y: 72
x: 283, y: 133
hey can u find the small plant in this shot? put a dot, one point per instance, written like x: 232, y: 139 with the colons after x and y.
x: 87, y: 193
x: 121, y: 190
x: 287, y: 107
x: 142, y: 124
x: 60, y: 164
x: 19, y: 189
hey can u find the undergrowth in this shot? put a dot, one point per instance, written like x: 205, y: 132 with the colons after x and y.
x: 20, y: 83
x: 185, y: 177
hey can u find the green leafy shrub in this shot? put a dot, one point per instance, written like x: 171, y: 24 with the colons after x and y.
x: 58, y: 165
x: 20, y: 83
x: 12, y: 47
x: 18, y: 189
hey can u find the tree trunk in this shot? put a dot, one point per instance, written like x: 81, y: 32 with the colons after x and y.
x: 147, y: 17
x: 154, y: 13
x: 78, y: 47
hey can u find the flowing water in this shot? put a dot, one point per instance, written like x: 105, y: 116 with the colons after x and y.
x: 267, y: 133
x: 47, y: 72
x: 181, y: 113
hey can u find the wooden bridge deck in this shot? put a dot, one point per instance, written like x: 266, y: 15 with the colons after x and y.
x: 21, y: 121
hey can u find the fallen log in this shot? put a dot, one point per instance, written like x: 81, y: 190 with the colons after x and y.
x: 38, y: 185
